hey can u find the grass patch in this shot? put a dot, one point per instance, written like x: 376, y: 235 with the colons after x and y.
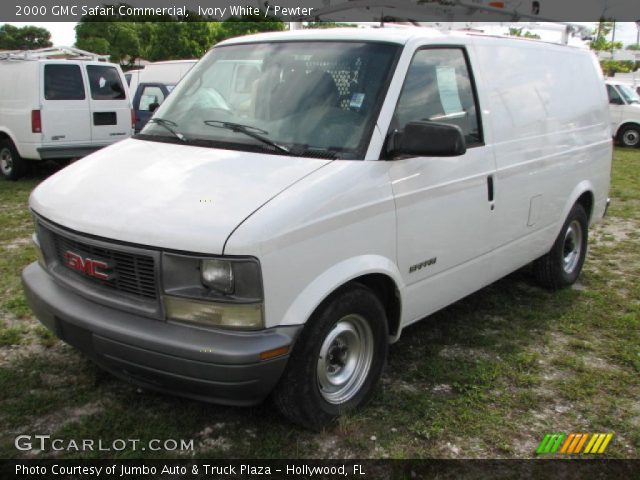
x: 11, y: 336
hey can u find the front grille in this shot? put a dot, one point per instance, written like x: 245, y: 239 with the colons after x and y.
x: 134, y: 274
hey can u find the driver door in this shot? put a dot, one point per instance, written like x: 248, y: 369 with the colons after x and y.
x: 616, y: 107
x: 147, y: 99
x: 444, y: 205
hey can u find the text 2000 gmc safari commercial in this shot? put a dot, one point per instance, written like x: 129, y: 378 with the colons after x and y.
x: 302, y: 197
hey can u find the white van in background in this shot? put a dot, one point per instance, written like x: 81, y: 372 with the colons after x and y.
x: 59, y: 110
x: 276, y: 241
x: 150, y: 86
x: 624, y: 109
x: 129, y: 75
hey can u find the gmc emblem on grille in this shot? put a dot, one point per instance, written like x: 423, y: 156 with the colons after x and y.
x: 91, y: 267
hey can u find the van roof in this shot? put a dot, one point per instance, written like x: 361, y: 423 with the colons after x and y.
x: 169, y: 62
x: 392, y: 34
x: 53, y: 53
x: 62, y: 61
x: 613, y: 81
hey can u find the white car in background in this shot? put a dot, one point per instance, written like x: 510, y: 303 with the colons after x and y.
x: 624, y: 109
x: 150, y: 86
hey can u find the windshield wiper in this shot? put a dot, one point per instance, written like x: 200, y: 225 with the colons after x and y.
x: 168, y: 124
x: 253, y: 132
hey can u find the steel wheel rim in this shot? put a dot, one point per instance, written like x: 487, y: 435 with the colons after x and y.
x: 631, y: 138
x: 6, y: 161
x: 345, y: 359
x: 572, y: 247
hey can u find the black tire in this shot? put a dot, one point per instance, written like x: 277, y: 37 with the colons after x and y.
x: 300, y: 395
x: 12, y: 166
x: 63, y: 162
x: 629, y: 136
x: 562, y: 265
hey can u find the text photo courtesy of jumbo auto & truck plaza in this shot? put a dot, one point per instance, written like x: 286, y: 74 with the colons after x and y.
x: 326, y: 239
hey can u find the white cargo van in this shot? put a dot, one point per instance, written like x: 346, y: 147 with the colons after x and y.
x: 278, y: 246
x: 624, y: 108
x: 58, y: 109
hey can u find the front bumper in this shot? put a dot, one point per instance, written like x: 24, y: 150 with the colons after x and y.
x: 210, y: 365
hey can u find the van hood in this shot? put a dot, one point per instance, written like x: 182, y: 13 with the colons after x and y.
x: 165, y: 195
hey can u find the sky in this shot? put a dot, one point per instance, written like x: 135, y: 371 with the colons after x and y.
x: 63, y: 33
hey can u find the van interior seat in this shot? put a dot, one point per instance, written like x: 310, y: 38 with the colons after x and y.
x: 421, y: 99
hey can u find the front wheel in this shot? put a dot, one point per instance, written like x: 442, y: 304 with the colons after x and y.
x: 630, y: 136
x: 12, y: 166
x: 562, y: 265
x: 337, y: 361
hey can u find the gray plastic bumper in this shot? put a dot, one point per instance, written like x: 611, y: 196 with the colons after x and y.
x: 211, y: 365
x: 53, y: 153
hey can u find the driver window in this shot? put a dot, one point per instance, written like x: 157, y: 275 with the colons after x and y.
x: 438, y: 89
x: 614, y: 96
x: 151, y: 96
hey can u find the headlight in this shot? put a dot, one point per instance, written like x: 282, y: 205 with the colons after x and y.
x: 221, y: 291
x: 217, y: 274
x: 227, y: 315
x: 39, y: 254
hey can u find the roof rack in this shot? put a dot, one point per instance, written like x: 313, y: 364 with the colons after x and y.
x: 445, y: 13
x: 70, y: 53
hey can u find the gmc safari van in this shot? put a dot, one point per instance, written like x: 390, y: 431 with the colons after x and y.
x: 278, y: 245
x: 58, y: 110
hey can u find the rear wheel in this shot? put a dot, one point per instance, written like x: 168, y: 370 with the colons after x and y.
x: 630, y: 136
x: 337, y: 361
x: 562, y: 265
x: 12, y: 166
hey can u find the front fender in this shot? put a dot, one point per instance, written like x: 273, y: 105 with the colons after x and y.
x: 338, y: 275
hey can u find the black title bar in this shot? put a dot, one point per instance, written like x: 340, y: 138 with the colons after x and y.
x: 318, y: 469
x: 320, y: 10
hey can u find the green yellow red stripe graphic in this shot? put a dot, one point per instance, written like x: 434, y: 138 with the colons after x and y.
x: 574, y: 443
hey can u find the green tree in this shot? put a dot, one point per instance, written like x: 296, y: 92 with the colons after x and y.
x: 600, y: 43
x: 317, y: 25
x: 181, y: 40
x: 118, y: 39
x: 24, y: 38
x: 166, y: 38
x: 248, y: 24
x: 147, y: 37
x: 518, y: 32
x: 617, y: 66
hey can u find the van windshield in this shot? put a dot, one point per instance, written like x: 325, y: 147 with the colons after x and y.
x: 629, y: 95
x: 317, y: 99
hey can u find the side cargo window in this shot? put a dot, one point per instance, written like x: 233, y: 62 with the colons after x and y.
x: 438, y: 88
x: 63, y: 82
x: 105, y: 83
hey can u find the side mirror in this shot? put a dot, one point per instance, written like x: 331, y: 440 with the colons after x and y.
x: 153, y: 107
x: 616, y: 101
x: 427, y: 139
